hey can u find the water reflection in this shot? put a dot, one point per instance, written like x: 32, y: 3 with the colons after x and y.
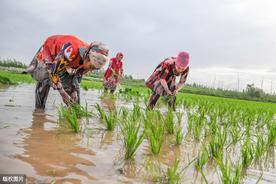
x: 55, y: 154
x: 108, y: 102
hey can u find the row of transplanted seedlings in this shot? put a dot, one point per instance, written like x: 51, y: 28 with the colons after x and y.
x: 249, y: 131
x: 70, y: 116
x: 137, y: 125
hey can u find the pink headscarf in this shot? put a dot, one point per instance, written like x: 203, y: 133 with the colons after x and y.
x: 183, y: 59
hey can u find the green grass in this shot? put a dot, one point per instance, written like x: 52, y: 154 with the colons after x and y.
x: 89, y: 84
x: 12, y: 78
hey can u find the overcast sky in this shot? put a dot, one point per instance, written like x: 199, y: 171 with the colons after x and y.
x: 231, y: 42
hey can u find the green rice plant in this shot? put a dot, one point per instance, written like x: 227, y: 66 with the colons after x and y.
x: 230, y: 175
x: 202, y: 159
x: 198, y: 126
x: 85, y: 87
x: 197, y: 130
x: 110, y: 119
x: 179, y: 117
x: 191, y: 119
x: 260, y: 146
x: 247, y: 153
x: 179, y: 135
x: 100, y: 110
x: 169, y: 123
x: 132, y: 136
x: 80, y: 110
x: 124, y: 113
x: 216, y: 145
x: 71, y: 117
x: 235, y: 134
x: 213, y: 124
x: 173, y: 173
x: 222, y: 113
x: 155, y: 131
x: 248, y: 122
x: 271, y: 138
x: 136, y: 112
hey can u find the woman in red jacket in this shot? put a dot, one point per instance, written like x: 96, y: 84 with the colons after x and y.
x: 113, y: 73
x: 60, y: 63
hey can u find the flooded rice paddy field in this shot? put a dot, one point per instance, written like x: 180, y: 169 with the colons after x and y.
x: 34, y: 144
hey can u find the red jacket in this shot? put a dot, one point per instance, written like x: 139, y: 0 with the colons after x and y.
x: 117, y: 66
x: 66, y: 45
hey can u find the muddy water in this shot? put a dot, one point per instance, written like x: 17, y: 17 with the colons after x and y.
x: 32, y: 143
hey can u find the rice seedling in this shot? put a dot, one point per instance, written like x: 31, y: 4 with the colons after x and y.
x: 80, y: 110
x: 179, y: 117
x: 260, y: 146
x: 202, y: 159
x: 100, y: 111
x: 173, y: 173
x: 110, y: 119
x: 71, y: 117
x: 199, y: 124
x: 191, y: 119
x: 271, y: 138
x: 136, y: 112
x: 213, y: 124
x: 179, y: 135
x: 169, y: 123
x: 247, y: 154
x: 235, y: 134
x: 197, y: 130
x: 230, y: 175
x: 124, y: 113
x: 155, y: 131
x: 216, y: 146
x: 132, y: 136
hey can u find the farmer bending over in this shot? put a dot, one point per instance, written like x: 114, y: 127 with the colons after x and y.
x: 162, y: 81
x: 113, y: 73
x: 60, y: 63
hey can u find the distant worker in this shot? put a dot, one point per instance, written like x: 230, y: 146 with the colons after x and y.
x: 60, y: 63
x: 163, y: 80
x: 113, y: 73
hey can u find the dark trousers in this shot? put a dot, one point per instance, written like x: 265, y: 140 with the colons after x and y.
x: 41, y: 93
x: 154, y: 98
x: 69, y: 83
